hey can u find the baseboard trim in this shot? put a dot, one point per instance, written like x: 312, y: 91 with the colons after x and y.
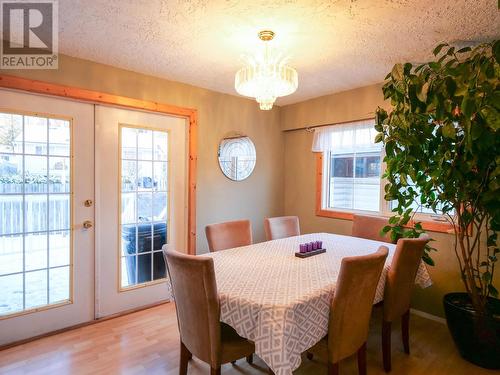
x: 428, y: 316
x: 84, y: 324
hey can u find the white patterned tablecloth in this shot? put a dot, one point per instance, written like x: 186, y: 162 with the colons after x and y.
x: 282, y: 302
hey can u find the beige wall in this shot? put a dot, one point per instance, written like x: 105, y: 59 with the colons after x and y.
x: 356, y: 104
x: 218, y: 198
x: 300, y: 182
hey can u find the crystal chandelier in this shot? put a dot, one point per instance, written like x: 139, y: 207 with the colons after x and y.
x: 266, y: 75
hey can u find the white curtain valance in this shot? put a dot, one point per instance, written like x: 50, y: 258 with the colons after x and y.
x: 356, y: 136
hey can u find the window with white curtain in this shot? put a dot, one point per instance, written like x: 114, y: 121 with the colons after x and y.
x: 352, y: 170
x: 352, y: 166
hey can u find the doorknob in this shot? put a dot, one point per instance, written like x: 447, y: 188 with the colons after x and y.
x: 87, y: 224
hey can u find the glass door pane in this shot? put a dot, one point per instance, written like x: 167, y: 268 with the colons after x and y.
x: 35, y: 212
x: 144, y: 204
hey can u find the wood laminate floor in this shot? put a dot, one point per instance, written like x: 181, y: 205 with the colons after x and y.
x: 146, y: 342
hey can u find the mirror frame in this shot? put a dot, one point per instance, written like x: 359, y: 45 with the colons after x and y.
x: 250, y: 144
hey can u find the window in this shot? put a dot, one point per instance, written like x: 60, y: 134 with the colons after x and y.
x: 350, y: 166
x: 144, y: 204
x: 35, y: 212
x: 353, y: 181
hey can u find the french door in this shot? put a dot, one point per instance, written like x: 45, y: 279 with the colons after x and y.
x: 83, y: 218
x: 141, y: 171
x: 46, y: 214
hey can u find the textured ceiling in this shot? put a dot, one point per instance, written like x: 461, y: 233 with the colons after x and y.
x: 334, y: 45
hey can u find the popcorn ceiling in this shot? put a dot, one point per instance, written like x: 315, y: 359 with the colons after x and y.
x: 334, y: 45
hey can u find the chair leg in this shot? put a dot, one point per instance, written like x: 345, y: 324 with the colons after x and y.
x: 386, y: 345
x: 362, y: 360
x: 405, y: 330
x: 250, y: 359
x: 185, y: 357
x: 333, y: 368
x: 215, y: 371
x: 309, y: 356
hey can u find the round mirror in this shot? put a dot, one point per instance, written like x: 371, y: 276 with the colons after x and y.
x: 237, y: 157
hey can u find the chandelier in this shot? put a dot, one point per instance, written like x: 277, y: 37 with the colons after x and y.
x: 266, y: 76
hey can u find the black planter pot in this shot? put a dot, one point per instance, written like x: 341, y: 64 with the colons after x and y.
x: 476, y: 337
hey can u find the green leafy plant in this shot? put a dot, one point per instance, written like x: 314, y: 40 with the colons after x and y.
x: 442, y: 145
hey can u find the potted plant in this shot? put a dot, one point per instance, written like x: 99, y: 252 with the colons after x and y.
x: 442, y: 147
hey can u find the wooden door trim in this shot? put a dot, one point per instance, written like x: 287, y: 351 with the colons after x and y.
x: 96, y: 97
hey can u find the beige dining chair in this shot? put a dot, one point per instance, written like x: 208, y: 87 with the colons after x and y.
x: 399, y: 283
x: 351, y: 308
x: 281, y: 227
x: 198, y: 314
x: 230, y: 234
x: 369, y: 227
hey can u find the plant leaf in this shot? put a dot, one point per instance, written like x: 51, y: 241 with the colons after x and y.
x: 449, y: 131
x: 397, y: 72
x: 463, y: 50
x: 422, y: 94
x: 428, y: 260
x: 439, y: 48
x: 492, y: 291
x: 467, y: 106
x: 496, y: 51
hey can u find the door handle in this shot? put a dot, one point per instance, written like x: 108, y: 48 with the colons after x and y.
x: 87, y: 224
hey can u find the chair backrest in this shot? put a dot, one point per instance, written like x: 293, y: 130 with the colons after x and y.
x: 401, y: 276
x: 196, y: 304
x: 352, y: 303
x: 281, y: 227
x: 228, y: 235
x: 369, y: 227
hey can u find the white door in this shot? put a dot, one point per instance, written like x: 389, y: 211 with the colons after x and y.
x: 46, y: 175
x: 141, y: 196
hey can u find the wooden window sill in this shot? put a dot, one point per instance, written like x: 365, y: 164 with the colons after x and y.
x: 431, y: 226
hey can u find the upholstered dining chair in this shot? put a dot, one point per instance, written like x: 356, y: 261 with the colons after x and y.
x: 281, y: 227
x: 230, y: 234
x: 198, y: 314
x: 351, y: 308
x: 399, y: 283
x: 369, y: 227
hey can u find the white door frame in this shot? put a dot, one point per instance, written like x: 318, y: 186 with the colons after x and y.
x: 111, y: 298
x: 80, y: 307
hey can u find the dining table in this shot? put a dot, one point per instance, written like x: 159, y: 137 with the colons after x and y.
x: 282, y: 302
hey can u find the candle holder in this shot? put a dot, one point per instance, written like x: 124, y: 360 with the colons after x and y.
x: 309, y: 249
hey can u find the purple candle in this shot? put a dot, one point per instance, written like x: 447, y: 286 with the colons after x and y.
x: 314, y: 245
x: 320, y: 244
x: 309, y: 246
x: 303, y: 248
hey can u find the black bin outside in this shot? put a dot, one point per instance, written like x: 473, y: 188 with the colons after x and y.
x: 144, y: 245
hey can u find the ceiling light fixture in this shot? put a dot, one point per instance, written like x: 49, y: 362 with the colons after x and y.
x: 266, y: 76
